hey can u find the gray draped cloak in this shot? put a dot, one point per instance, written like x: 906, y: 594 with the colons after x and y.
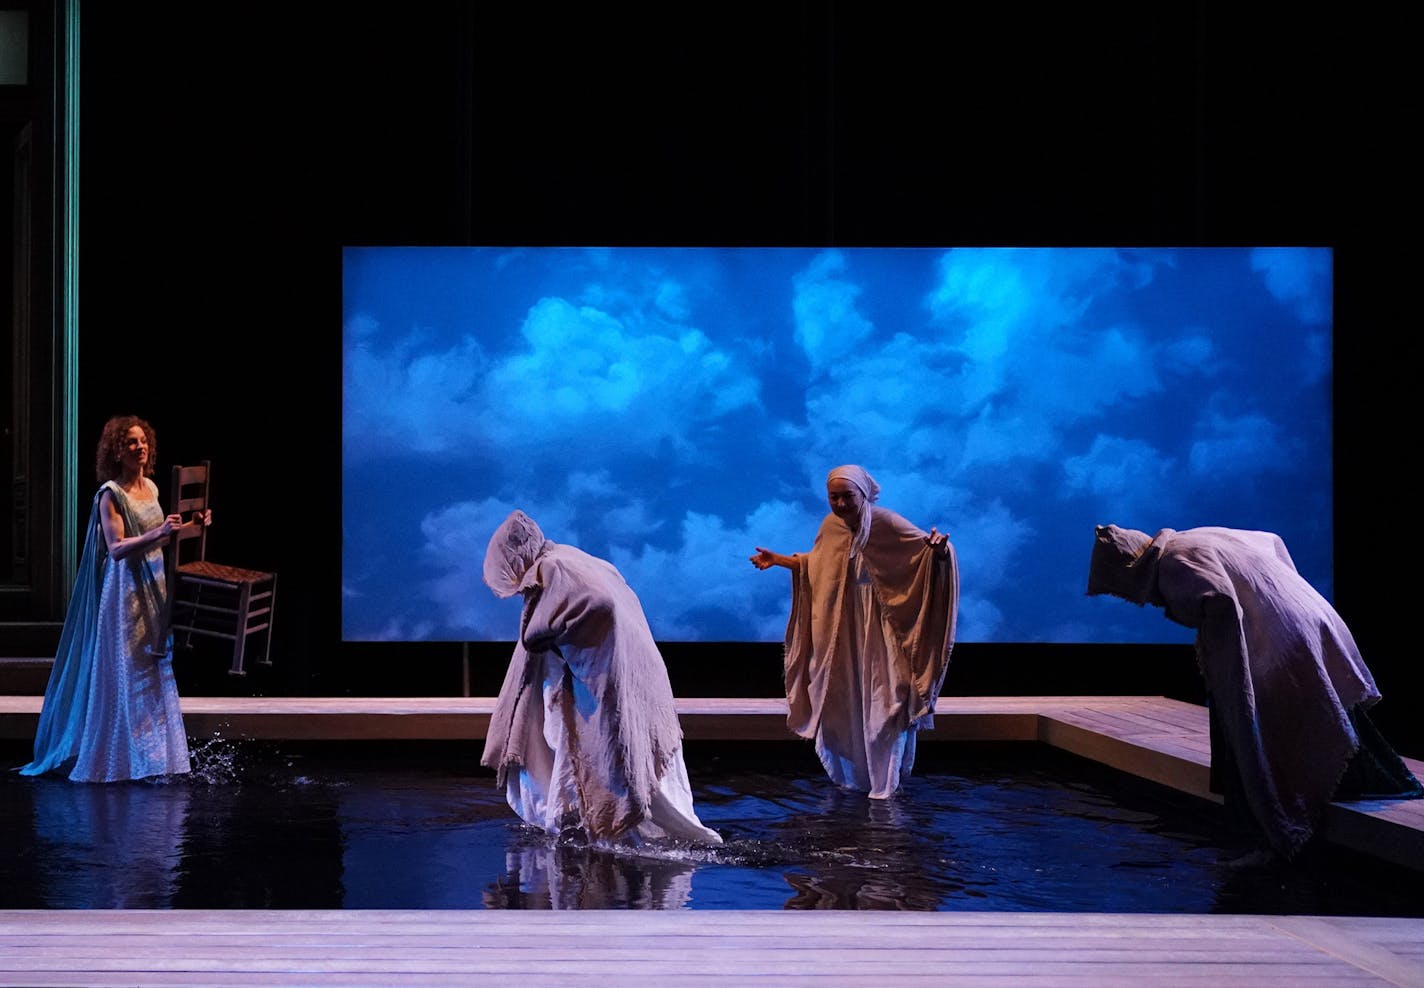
x: 616, y: 700
x: 1282, y: 668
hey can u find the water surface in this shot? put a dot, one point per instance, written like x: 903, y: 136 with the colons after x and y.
x: 381, y: 825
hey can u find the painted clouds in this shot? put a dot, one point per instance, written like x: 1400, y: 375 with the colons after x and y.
x: 670, y: 409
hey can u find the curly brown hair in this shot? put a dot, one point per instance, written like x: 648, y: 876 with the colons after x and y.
x: 111, y: 446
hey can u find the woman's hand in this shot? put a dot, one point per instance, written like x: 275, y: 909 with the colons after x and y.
x: 765, y: 559
x: 939, y: 542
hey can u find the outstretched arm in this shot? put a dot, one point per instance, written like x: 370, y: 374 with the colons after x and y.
x: 766, y: 559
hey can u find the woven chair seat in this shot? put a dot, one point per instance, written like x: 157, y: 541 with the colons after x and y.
x: 203, y: 569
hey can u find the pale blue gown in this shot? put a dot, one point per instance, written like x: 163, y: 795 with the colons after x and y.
x: 111, y: 709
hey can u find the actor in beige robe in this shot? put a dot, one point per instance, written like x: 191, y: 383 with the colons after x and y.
x: 584, y: 732
x: 873, y: 609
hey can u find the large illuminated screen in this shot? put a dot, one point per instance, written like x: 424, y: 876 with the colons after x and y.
x: 671, y: 409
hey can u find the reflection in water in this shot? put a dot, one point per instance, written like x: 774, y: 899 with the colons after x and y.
x: 562, y: 873
x: 108, y: 846
x: 873, y: 851
x: 382, y: 825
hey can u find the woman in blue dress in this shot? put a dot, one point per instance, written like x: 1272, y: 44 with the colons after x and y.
x: 111, y: 708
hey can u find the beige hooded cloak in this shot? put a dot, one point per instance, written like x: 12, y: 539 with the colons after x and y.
x: 868, y: 642
x: 585, y: 731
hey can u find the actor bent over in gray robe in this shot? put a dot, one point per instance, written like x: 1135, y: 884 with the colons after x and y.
x: 1288, y: 688
x: 585, y: 732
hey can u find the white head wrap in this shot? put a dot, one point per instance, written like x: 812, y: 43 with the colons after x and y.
x: 513, y: 549
x: 869, y: 492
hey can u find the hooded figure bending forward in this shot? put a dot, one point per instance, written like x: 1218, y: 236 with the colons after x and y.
x: 1287, y: 686
x: 584, y: 733
x: 873, y: 608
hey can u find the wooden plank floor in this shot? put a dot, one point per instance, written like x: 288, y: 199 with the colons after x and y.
x: 1152, y: 737
x: 689, y: 948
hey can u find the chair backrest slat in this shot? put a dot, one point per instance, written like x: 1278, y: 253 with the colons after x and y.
x: 191, y: 491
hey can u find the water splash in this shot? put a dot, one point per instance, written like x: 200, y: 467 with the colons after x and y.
x: 215, y: 761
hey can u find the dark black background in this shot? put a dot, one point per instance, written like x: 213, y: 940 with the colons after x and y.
x: 228, y: 153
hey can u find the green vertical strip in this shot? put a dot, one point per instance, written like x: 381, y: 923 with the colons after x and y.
x: 69, y: 303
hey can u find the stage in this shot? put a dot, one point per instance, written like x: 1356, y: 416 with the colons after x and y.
x: 1149, y: 737
x: 732, y: 948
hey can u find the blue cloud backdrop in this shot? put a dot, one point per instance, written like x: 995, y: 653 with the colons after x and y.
x: 670, y: 409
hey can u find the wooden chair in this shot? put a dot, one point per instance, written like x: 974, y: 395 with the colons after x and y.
x: 209, y: 598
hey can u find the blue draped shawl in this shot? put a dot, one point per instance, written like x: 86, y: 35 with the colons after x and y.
x: 66, y: 699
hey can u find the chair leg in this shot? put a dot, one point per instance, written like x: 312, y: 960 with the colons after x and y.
x: 193, y: 617
x: 266, y: 659
x: 239, y: 639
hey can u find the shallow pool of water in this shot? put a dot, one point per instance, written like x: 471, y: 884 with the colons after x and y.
x: 421, y: 826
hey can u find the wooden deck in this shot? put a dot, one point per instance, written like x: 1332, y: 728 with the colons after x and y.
x: 1152, y: 737
x: 688, y: 948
